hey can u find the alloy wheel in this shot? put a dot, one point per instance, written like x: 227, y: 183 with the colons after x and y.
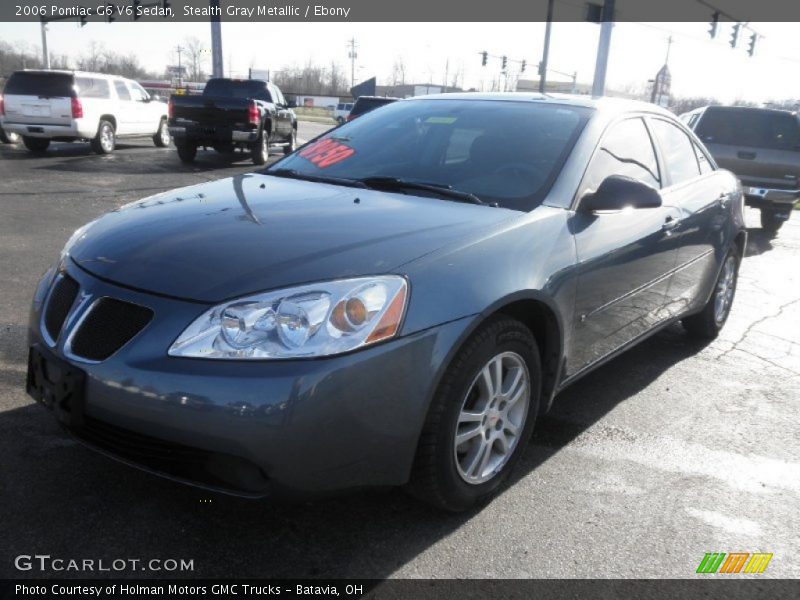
x: 726, y: 286
x: 492, y: 417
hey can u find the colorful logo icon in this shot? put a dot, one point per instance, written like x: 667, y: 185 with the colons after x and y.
x: 734, y: 562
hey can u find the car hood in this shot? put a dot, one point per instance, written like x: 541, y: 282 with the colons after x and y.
x: 253, y: 232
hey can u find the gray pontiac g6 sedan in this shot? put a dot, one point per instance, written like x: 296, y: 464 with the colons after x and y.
x: 393, y: 304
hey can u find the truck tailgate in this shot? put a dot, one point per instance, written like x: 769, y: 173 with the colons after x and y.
x: 210, y: 111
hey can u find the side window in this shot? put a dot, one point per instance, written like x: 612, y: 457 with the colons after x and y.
x: 88, y: 87
x: 279, y: 97
x: 679, y: 154
x: 137, y: 92
x: 702, y: 160
x: 626, y: 149
x: 122, y: 90
x: 693, y: 120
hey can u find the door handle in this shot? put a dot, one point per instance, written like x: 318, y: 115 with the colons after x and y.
x: 670, y: 223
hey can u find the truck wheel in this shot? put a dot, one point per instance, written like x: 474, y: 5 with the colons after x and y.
x: 291, y: 146
x: 769, y: 221
x: 707, y: 323
x: 260, y: 150
x: 8, y: 138
x: 106, y: 139
x: 35, y: 145
x: 186, y: 152
x: 162, y: 137
x: 481, y: 417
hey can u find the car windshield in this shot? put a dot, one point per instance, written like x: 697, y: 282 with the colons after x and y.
x: 747, y: 127
x: 504, y: 152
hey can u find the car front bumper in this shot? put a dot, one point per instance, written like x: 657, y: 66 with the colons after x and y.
x: 251, y: 428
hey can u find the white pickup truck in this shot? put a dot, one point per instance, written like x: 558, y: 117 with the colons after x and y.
x: 68, y: 106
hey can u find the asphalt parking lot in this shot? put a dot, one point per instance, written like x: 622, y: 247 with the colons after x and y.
x: 670, y: 451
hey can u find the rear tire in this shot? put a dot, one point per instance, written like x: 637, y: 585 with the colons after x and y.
x: 494, y: 427
x: 106, y: 139
x: 709, y: 322
x: 260, y: 149
x: 162, y: 137
x: 769, y: 221
x: 35, y: 145
x: 8, y: 138
x: 186, y: 152
x: 292, y: 145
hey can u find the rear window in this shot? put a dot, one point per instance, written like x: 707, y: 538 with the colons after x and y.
x: 244, y: 89
x: 88, y: 87
x: 29, y: 83
x: 748, y: 127
x: 363, y: 105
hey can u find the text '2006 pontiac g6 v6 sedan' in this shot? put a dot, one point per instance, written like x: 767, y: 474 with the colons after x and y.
x: 394, y: 304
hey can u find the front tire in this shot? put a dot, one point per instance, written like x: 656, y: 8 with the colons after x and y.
x: 769, y: 221
x: 260, y: 149
x: 186, y: 152
x: 35, y: 145
x: 481, y: 418
x: 106, y: 139
x: 709, y: 322
x: 162, y: 137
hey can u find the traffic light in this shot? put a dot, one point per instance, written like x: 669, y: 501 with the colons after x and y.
x: 484, y: 58
x: 136, y: 5
x: 522, y: 66
x: 83, y: 21
x: 110, y: 18
x: 751, y: 48
x: 165, y: 5
x: 713, y: 24
x: 505, y: 62
x: 735, y: 35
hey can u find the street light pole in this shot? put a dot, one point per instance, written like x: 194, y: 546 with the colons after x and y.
x: 603, y: 45
x: 45, y: 53
x: 546, y: 53
x: 216, y: 40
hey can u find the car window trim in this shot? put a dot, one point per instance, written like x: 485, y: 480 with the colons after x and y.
x: 672, y: 184
x: 613, y: 123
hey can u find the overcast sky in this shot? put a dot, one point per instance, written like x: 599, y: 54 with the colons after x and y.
x: 699, y: 65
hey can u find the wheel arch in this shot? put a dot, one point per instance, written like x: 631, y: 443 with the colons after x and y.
x: 110, y: 118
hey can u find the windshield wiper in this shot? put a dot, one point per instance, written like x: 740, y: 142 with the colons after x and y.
x: 293, y: 174
x: 442, y: 189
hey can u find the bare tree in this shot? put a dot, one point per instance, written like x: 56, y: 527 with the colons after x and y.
x: 195, y: 57
x: 398, y: 72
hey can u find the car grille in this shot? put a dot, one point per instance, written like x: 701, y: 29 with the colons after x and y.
x: 225, y: 472
x: 61, y: 300
x: 109, y: 325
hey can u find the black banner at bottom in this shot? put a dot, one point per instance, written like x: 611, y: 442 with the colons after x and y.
x: 712, y: 588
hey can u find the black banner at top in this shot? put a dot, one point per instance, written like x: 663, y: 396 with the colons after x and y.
x: 396, y: 11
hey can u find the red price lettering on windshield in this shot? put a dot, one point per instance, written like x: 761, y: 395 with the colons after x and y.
x: 325, y: 153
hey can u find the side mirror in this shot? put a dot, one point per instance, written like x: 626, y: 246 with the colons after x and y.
x: 617, y: 192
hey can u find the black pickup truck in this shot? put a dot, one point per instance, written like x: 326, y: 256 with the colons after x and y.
x: 248, y: 114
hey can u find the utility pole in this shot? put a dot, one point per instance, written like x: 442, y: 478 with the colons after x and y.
x: 603, y: 45
x: 45, y: 53
x: 446, y: 69
x: 179, y: 50
x: 546, y: 53
x: 352, y: 55
x: 216, y: 39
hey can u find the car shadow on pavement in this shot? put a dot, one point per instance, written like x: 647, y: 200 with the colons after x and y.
x: 758, y: 241
x: 72, y: 503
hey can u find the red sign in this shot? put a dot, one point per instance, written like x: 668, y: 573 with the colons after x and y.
x: 325, y: 153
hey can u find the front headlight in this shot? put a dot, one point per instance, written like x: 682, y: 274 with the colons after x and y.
x: 311, y: 320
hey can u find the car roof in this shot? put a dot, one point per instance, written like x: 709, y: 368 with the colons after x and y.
x: 604, y: 103
x: 76, y: 73
x: 749, y: 108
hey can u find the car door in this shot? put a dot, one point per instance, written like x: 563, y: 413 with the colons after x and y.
x: 283, y: 113
x: 146, y: 120
x: 125, y: 110
x: 624, y: 257
x: 694, y: 187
